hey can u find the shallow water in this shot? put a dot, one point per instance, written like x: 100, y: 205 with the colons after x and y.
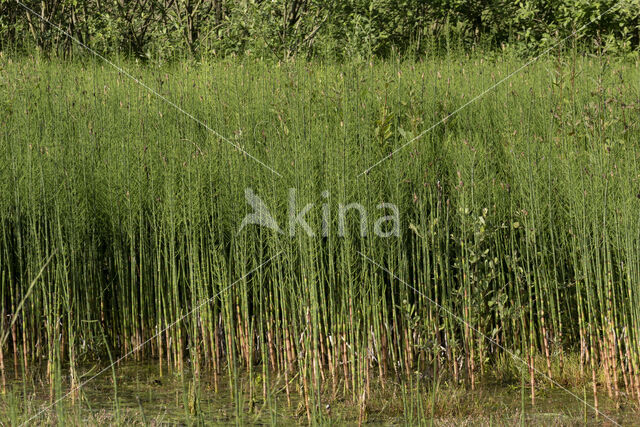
x: 144, y: 395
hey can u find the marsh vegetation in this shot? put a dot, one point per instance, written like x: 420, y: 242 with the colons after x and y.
x: 515, y: 273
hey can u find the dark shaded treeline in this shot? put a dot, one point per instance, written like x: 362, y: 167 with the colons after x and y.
x: 174, y: 29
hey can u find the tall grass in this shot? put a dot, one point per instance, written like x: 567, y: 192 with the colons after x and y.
x: 518, y: 215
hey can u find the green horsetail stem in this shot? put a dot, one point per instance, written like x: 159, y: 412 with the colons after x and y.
x: 518, y: 215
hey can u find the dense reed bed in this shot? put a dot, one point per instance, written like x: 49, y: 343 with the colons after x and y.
x: 519, y: 226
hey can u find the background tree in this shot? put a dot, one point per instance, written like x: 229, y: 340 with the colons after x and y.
x: 168, y: 29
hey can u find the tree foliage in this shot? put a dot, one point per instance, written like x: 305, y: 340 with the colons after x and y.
x: 285, y: 28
